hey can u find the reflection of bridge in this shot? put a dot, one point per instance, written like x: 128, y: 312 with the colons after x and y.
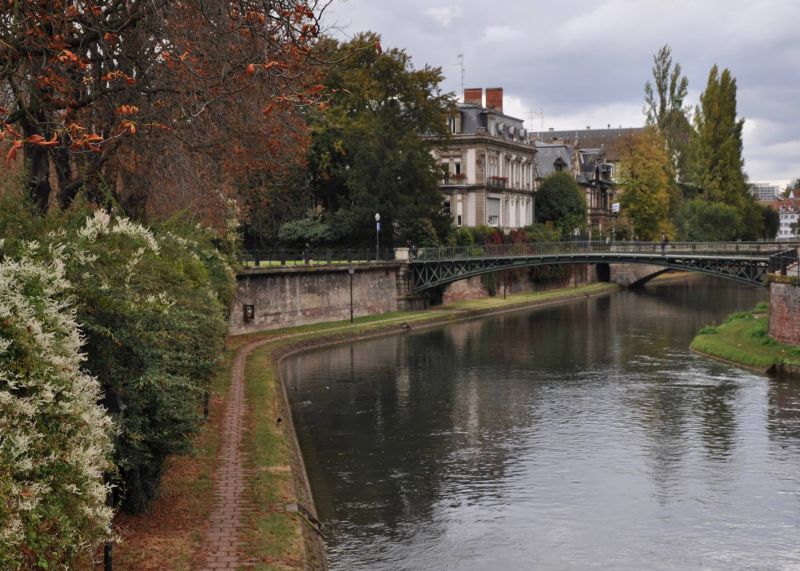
x: 747, y: 262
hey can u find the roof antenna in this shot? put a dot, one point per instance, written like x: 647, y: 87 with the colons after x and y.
x: 461, y: 65
x: 540, y: 114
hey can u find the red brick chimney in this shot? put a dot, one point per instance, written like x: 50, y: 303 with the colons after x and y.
x: 473, y: 95
x: 494, y: 99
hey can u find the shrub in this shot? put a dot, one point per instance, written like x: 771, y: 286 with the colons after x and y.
x: 761, y: 307
x: 708, y: 330
x: 56, y: 438
x: 739, y: 315
x: 152, y: 307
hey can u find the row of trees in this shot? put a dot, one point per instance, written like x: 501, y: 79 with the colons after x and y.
x: 684, y: 175
x: 156, y: 107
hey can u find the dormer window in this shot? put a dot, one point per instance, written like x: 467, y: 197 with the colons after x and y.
x: 451, y: 123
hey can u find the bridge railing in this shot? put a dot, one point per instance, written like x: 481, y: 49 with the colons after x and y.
x: 785, y: 263
x: 312, y: 256
x: 600, y: 247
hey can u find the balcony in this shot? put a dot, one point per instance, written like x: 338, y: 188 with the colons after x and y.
x: 454, y: 179
x: 497, y: 182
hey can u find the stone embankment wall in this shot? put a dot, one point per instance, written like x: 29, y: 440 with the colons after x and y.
x: 300, y: 296
x: 518, y: 281
x: 784, y: 312
x: 632, y: 275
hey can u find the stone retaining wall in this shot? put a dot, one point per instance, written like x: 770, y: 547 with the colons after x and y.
x: 303, y: 295
x: 784, y: 312
x: 475, y: 288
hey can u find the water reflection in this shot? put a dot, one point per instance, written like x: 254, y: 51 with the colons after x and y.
x: 579, y: 435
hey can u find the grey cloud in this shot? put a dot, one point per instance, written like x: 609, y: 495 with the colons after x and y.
x: 575, y: 59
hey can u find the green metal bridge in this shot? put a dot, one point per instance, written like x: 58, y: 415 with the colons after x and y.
x: 747, y: 262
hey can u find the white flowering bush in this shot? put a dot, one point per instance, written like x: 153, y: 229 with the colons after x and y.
x: 55, y: 438
x: 152, y: 309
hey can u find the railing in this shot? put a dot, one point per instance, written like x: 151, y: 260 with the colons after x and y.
x: 458, y: 179
x: 726, y: 249
x: 785, y: 263
x: 497, y: 182
x: 312, y: 257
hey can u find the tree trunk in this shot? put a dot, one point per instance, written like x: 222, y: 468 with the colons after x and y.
x: 39, y: 176
x: 67, y: 188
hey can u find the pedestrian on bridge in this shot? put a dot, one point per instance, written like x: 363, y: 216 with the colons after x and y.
x: 664, y: 244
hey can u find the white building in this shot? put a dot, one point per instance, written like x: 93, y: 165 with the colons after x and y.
x: 764, y: 192
x: 488, y: 174
x: 789, y: 213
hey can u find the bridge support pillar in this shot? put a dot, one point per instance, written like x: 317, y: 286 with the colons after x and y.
x: 407, y: 301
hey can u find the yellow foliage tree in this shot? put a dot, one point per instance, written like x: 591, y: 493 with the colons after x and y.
x: 646, y: 183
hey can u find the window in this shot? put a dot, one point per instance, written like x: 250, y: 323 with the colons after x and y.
x: 458, y: 167
x: 493, y: 211
x: 446, y: 208
x: 458, y: 220
x: 451, y: 123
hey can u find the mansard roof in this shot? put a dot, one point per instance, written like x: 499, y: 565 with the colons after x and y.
x: 548, y: 155
x: 607, y: 139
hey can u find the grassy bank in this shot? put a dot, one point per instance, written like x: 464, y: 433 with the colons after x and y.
x: 170, y: 536
x: 743, y: 339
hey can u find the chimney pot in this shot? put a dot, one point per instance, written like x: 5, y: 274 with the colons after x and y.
x: 494, y: 99
x: 473, y: 95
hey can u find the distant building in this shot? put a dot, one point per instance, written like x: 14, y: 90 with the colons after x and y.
x: 552, y: 158
x: 597, y: 154
x: 789, y: 213
x: 764, y: 192
x: 488, y: 168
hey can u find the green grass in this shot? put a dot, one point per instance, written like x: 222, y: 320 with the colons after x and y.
x: 272, y: 536
x: 744, y: 339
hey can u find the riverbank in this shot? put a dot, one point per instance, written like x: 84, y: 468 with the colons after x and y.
x: 743, y: 340
x: 275, y: 532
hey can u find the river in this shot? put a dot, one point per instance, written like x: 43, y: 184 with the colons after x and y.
x: 582, y: 435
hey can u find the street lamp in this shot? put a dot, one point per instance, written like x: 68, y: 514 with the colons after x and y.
x: 351, y: 270
x: 377, y: 236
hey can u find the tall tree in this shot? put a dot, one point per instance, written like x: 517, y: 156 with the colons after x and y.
x: 561, y: 201
x: 718, y: 144
x: 717, y: 153
x: 647, y: 184
x: 664, y: 107
x: 123, y: 97
x: 371, y: 143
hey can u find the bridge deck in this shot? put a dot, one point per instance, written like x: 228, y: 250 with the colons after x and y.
x: 746, y: 262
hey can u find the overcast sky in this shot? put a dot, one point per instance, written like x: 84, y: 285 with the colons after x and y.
x: 584, y: 62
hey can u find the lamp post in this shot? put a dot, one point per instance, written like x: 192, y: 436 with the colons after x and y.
x: 351, y: 271
x: 377, y: 236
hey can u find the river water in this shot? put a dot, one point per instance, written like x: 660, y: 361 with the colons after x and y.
x: 583, y: 435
